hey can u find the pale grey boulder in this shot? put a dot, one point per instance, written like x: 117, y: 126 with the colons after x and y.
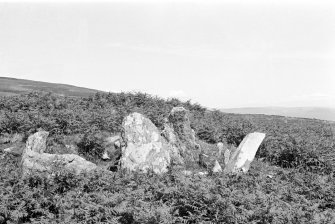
x: 145, y: 148
x: 34, y: 160
x: 242, y: 157
x: 36, y: 143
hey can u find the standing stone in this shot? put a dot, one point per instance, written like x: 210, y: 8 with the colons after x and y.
x: 179, y: 119
x: 183, y: 137
x: 175, y: 145
x: 145, y: 147
x: 245, y: 153
x: 217, y: 168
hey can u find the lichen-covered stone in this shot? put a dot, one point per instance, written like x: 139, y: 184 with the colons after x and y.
x: 145, y: 148
x: 180, y: 122
x: 176, y: 147
x: 181, y: 136
x: 36, y: 142
x: 34, y: 160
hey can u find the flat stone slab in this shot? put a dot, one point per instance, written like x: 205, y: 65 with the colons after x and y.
x: 245, y: 153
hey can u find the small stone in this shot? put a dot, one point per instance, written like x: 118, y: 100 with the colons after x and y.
x: 105, y: 156
x: 202, y: 173
x: 187, y: 172
x: 217, y: 168
x: 8, y: 150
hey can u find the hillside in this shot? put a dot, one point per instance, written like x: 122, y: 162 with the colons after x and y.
x: 290, y: 181
x: 12, y: 86
x: 304, y: 112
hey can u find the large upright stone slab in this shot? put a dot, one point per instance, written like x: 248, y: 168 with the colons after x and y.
x: 180, y: 136
x: 145, y: 148
x: 180, y: 122
x: 175, y: 144
x: 245, y: 153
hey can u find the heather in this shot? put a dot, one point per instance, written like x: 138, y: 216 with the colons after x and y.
x: 290, y: 181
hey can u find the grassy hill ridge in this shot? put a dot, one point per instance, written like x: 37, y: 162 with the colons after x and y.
x: 321, y: 113
x: 13, y: 86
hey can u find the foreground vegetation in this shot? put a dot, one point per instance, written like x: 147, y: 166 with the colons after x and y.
x: 265, y: 195
x: 292, y: 180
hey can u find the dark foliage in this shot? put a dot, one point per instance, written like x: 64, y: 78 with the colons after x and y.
x: 293, y: 184
x: 285, y: 196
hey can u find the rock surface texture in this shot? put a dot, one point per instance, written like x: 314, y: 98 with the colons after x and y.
x: 145, y: 148
x: 112, y: 148
x: 34, y: 160
x: 180, y: 122
x: 226, y: 157
x: 221, y: 148
x: 181, y: 136
x: 245, y: 153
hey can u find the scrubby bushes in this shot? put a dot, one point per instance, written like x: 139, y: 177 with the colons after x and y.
x: 298, y: 189
x: 265, y: 195
x: 289, y: 142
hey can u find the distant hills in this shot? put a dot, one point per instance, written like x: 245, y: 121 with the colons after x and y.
x: 304, y: 112
x: 12, y: 86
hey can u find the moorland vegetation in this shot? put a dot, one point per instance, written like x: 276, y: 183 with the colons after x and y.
x: 291, y: 180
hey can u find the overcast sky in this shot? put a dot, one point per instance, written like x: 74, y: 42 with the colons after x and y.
x: 220, y: 54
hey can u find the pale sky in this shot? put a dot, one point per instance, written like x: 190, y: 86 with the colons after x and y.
x: 220, y: 54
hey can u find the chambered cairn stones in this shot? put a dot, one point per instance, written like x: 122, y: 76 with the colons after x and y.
x: 245, y: 153
x: 34, y: 160
x: 180, y: 135
x: 148, y: 148
x: 145, y: 148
